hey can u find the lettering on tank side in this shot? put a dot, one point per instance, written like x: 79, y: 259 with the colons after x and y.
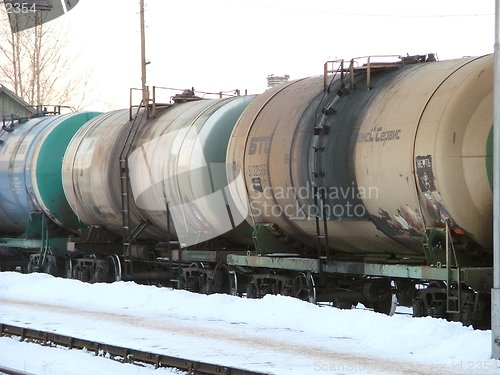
x: 378, y: 134
x: 259, y: 145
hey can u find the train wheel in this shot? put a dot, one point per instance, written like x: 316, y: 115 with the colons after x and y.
x: 342, y: 304
x: 182, y: 282
x: 304, y: 288
x: 31, y: 265
x: 419, y: 308
x: 387, y: 305
x: 55, y: 266
x: 251, y: 290
x: 222, y: 280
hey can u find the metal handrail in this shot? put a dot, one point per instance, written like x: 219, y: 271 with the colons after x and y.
x: 131, y: 102
x: 369, y: 63
x: 326, y: 71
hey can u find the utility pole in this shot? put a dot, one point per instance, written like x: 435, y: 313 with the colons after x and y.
x: 145, y: 93
x: 495, y: 292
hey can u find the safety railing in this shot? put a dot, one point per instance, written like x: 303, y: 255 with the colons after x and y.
x: 332, y: 67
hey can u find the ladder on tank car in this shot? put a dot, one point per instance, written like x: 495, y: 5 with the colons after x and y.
x: 320, y: 132
x: 338, y: 81
x: 128, y: 235
x: 145, y: 110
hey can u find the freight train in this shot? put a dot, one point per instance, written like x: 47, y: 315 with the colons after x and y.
x: 369, y: 183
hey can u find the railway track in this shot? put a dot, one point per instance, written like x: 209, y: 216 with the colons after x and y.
x: 117, y: 353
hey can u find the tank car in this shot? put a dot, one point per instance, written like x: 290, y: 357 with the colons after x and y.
x: 387, y: 168
x: 31, y: 154
x: 176, y: 170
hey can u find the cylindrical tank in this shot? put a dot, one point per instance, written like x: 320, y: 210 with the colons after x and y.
x: 30, y: 171
x: 91, y: 172
x: 180, y: 162
x: 178, y: 159
x: 452, y: 148
x: 365, y: 153
x: 434, y: 167
x: 273, y: 147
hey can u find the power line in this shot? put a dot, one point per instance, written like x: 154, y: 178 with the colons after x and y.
x: 360, y: 14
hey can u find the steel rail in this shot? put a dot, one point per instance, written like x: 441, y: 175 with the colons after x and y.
x: 118, y: 353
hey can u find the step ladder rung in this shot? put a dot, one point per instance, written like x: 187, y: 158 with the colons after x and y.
x: 135, y: 123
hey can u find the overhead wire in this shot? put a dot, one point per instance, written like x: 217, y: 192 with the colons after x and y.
x: 361, y: 14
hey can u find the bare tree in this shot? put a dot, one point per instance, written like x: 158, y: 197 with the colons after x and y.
x: 37, y: 65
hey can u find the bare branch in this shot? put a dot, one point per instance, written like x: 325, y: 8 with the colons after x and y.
x: 37, y: 65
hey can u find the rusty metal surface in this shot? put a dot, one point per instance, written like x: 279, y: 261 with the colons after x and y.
x: 451, y: 152
x: 384, y: 150
x: 413, y: 146
x: 275, y: 146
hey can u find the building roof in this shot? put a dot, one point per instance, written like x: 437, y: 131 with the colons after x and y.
x: 17, y: 99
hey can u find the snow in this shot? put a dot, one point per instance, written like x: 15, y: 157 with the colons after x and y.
x: 275, y: 334
x: 37, y: 359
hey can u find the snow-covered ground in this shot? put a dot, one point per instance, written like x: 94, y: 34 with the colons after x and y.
x: 276, y: 334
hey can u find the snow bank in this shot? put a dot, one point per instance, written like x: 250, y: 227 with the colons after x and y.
x: 419, y: 340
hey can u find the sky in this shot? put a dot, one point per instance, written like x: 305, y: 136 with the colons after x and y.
x: 276, y: 334
x: 235, y: 44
